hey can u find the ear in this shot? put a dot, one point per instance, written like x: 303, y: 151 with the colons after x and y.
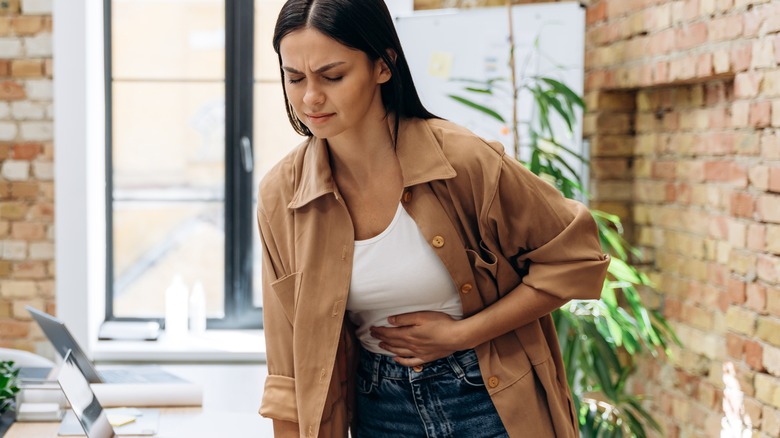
x: 384, y: 70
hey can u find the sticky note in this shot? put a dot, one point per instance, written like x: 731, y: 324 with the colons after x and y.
x: 119, y: 420
x: 440, y: 65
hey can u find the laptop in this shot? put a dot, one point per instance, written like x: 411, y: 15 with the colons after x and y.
x: 90, y: 413
x: 63, y: 341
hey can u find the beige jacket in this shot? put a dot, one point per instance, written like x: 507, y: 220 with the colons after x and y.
x: 495, y: 226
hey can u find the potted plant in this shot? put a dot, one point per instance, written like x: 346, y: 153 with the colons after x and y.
x: 8, y: 389
x: 599, y: 339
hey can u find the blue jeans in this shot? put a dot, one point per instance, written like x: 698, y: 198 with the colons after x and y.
x: 447, y: 398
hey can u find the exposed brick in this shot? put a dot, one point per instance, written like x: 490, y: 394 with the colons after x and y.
x: 737, y: 291
x: 741, y: 56
x: 768, y: 207
x: 27, y: 24
x: 773, y: 301
x: 741, y: 320
x: 756, y: 297
x: 10, y: 90
x: 742, y: 204
x: 10, y: 329
x: 27, y: 68
x: 747, y: 84
x: 760, y: 114
x: 768, y: 268
x: 768, y: 329
x: 725, y: 28
x: 754, y: 355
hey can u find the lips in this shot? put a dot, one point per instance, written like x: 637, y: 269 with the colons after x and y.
x: 319, y: 117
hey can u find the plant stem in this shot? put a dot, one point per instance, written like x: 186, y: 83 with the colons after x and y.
x: 512, y: 69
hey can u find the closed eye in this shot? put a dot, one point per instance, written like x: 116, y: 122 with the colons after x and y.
x: 336, y: 79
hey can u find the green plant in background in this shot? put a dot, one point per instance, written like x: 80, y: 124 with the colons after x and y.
x: 599, y: 339
x: 8, y: 385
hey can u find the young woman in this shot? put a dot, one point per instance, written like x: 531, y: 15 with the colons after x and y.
x: 410, y: 267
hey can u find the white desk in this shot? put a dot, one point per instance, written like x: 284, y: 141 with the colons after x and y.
x: 231, y: 398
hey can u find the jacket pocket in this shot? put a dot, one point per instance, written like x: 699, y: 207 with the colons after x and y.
x: 484, y: 260
x: 286, y: 290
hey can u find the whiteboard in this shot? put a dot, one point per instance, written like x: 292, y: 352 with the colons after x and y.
x: 443, y: 46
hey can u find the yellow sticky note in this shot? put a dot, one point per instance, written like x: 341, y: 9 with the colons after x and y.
x: 440, y: 65
x: 119, y: 419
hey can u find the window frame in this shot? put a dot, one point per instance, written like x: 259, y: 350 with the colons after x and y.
x: 239, y: 309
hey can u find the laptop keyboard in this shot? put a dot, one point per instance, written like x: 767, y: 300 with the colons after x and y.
x: 139, y: 375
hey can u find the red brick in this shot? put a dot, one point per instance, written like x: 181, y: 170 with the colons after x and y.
x: 27, y: 24
x: 24, y: 190
x: 761, y: 114
x: 741, y: 57
x: 26, y: 151
x: 754, y: 355
x: 596, y: 12
x: 725, y: 28
x: 11, y: 90
x: 720, y: 118
x: 690, y: 36
x: 742, y: 205
x: 774, y: 179
x: 30, y: 270
x: 610, y: 168
x: 756, y: 297
x: 664, y: 169
x: 736, y: 290
x: 735, y: 345
x: 11, y: 329
x: 756, y: 237
x: 5, y: 150
x: 28, y: 231
x: 5, y: 68
x: 717, y: 170
x: 704, y: 65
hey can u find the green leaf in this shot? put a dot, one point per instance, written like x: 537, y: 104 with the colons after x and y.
x: 478, y: 107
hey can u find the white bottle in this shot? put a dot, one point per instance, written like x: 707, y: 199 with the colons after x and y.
x: 198, y: 309
x: 176, y: 308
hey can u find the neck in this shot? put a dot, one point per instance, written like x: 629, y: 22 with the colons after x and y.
x: 361, y: 157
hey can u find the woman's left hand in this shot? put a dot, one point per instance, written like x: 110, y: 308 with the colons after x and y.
x: 420, y: 337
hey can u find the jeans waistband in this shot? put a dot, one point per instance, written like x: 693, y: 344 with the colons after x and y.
x: 379, y: 366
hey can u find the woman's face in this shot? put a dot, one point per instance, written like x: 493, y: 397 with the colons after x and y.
x: 333, y: 89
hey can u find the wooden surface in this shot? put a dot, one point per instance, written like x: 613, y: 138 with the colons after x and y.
x: 231, y: 398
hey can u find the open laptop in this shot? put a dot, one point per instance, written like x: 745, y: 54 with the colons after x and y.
x: 63, y: 341
x: 90, y: 414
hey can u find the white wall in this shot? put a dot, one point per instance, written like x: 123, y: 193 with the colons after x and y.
x: 79, y: 166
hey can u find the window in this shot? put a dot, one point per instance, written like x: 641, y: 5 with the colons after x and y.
x: 195, y: 117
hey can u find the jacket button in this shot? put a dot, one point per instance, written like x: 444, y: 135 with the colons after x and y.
x: 493, y: 382
x: 466, y: 288
x: 417, y: 368
x: 407, y: 196
x: 437, y: 242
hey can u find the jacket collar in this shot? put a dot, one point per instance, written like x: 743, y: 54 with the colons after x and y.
x: 420, y: 154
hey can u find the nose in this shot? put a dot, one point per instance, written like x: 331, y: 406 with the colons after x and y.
x: 313, y: 96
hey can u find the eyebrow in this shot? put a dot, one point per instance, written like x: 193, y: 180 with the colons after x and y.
x: 322, y: 69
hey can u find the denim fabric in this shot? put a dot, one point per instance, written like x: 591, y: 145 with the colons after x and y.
x: 447, y: 398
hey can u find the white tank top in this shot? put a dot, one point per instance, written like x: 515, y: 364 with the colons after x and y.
x: 397, y: 272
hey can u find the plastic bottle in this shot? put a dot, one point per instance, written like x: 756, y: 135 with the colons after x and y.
x: 176, y: 308
x: 197, y: 309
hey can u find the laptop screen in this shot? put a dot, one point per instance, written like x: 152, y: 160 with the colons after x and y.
x: 62, y: 340
x: 83, y: 401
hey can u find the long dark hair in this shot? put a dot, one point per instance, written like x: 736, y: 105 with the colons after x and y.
x: 365, y: 25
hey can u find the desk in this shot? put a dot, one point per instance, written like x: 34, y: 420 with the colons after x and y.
x: 231, y: 398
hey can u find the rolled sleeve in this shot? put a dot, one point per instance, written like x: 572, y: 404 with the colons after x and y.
x: 279, y: 401
x: 551, y: 240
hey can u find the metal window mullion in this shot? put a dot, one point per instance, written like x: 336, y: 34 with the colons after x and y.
x: 239, y: 62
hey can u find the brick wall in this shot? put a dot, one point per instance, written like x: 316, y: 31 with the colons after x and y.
x: 684, y: 123
x: 26, y: 169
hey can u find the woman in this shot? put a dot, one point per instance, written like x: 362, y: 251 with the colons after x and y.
x: 410, y: 267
